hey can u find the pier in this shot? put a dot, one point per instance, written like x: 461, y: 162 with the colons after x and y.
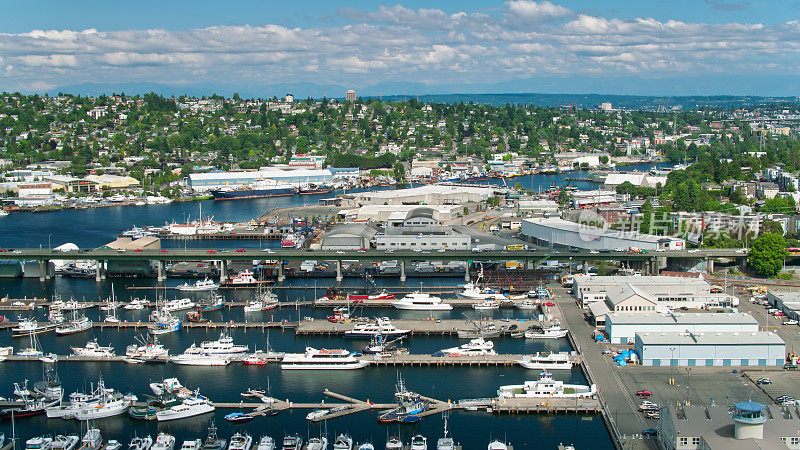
x: 425, y: 327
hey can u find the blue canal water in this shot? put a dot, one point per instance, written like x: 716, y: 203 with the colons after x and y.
x: 93, y: 227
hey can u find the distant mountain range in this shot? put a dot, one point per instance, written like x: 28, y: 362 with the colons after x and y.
x: 687, y: 92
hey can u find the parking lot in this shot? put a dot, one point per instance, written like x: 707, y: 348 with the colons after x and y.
x: 784, y: 382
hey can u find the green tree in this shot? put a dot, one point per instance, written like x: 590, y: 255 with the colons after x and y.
x: 767, y: 255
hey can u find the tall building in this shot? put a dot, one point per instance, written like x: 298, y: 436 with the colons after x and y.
x: 350, y: 95
x: 289, y: 98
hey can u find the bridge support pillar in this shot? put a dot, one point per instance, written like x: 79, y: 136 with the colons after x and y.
x: 402, y: 271
x: 466, y: 273
x: 160, y: 271
x: 281, y: 276
x: 709, y: 265
x: 42, y: 270
x: 99, y: 272
x: 223, y: 270
x: 585, y: 267
x: 339, y: 276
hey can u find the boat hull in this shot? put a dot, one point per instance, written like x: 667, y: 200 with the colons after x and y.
x: 251, y: 193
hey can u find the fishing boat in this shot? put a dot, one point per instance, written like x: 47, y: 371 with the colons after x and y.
x: 76, y: 325
x: 240, y: 441
x: 324, y: 359
x: 92, y: 440
x: 212, y: 441
x: 546, y: 387
x: 196, y: 317
x: 409, y: 405
x: 474, y: 291
x: 29, y: 407
x: 105, y: 402
x: 50, y: 385
x: 223, y: 345
x: 147, y: 351
x: 205, y: 285
x: 74, y: 305
x: 380, y: 346
x: 163, y: 323
x: 552, y: 331
x: 34, y: 350
x: 382, y: 326
x: 475, y: 347
x: 547, y: 361
x: 486, y: 305
x: 214, y: 304
x: 191, y: 406
x: 421, y: 301
x: 94, y: 350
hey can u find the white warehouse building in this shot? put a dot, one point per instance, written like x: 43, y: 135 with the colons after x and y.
x: 711, y: 349
x: 202, y: 182
x: 622, y: 327
x: 560, y: 233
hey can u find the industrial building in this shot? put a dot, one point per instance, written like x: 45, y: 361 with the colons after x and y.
x: 419, y: 230
x: 674, y: 292
x: 582, y: 199
x: 621, y: 327
x: 202, y: 182
x: 352, y: 236
x: 433, y: 194
x: 537, y: 207
x: 559, y: 233
x: 749, y: 425
x: 381, y: 213
x: 639, y: 179
x: 788, y: 302
x: 710, y: 349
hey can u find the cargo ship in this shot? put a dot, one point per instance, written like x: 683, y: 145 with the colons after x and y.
x: 259, y: 189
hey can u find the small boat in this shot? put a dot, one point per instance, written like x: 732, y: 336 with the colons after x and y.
x: 65, y: 442
x: 141, y: 443
x: 38, y: 443
x: 292, y: 443
x: 552, y: 331
x: 164, y: 441
x: 191, y: 406
x: 239, y: 417
x: 240, y: 441
x: 137, y: 304
x: 547, y: 361
x: 497, y: 445
x: 113, y: 444
x: 179, y: 304
x: 366, y: 446
x: 394, y: 443
x: 343, y: 442
x: 475, y: 347
x: 191, y: 444
x: 319, y: 414
x: 267, y: 443
x: 200, y: 286
x: 317, y: 443
x: 419, y: 442
x: 94, y: 350
x: 167, y: 386
x: 213, y: 442
x: 92, y: 440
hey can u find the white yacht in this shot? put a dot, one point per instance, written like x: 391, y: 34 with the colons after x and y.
x: 317, y: 443
x: 38, y: 443
x: 240, y: 441
x: 77, y: 325
x: 104, y: 402
x: 527, y: 305
x: 419, y: 442
x: 421, y: 301
x: 343, y: 442
x: 62, y: 442
x: 547, y: 360
x: 112, y: 444
x: 224, y: 345
x: 191, y: 406
x: 147, y: 350
x: 552, y: 331
x: 473, y: 291
x: 366, y: 446
x: 192, y: 444
x: 26, y: 327
x: 486, y: 305
x: 445, y: 442
x: 74, y: 305
x: 179, y: 304
x: 93, y: 349
x: 324, y: 359
x: 497, y: 445
x: 546, y: 387
x: 475, y: 347
x: 137, y: 304
x: 200, y: 286
x: 267, y: 443
x: 193, y: 356
x: 292, y: 443
x: 141, y: 443
x: 164, y: 441
x: 381, y: 327
x: 92, y: 440
x: 394, y: 443
x: 168, y: 386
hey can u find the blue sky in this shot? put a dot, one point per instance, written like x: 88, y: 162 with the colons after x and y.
x: 614, y: 46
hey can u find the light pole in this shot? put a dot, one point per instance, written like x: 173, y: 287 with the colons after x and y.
x: 49, y: 245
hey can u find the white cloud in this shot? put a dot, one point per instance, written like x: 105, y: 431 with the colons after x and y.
x: 527, y: 11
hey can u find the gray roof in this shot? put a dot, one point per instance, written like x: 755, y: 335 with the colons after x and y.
x: 755, y: 338
x: 786, y: 296
x: 353, y: 229
x: 623, y: 292
x: 626, y: 318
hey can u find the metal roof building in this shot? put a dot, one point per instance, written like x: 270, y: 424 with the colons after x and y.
x: 352, y: 236
x: 621, y: 327
x: 710, y: 349
x: 556, y: 232
x: 214, y: 180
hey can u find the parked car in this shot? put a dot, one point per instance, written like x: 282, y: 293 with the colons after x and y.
x: 763, y: 380
x: 650, y: 432
x: 644, y: 393
x: 790, y: 322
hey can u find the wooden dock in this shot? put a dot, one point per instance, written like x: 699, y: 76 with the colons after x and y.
x: 545, y: 406
x: 425, y: 327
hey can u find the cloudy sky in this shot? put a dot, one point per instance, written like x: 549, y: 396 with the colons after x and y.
x: 570, y: 46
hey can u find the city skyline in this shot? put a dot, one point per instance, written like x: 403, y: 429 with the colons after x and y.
x: 309, y: 48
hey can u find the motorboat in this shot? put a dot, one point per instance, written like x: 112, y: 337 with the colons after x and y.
x: 164, y: 441
x: 243, y: 278
x: 179, y: 304
x: 26, y: 327
x: 323, y: 359
x: 191, y: 406
x: 552, y: 331
x: 194, y: 358
x: 240, y: 441
x: 112, y: 444
x: 163, y: 323
x: 141, y: 443
x: 38, y: 443
x: 103, y: 402
x: 366, y: 446
x: 486, y: 305
x: 421, y: 301
x: 475, y: 347
x: 382, y: 326
x: 191, y: 444
x: 527, y: 305
x: 224, y: 345
x: 167, y: 386
x: 546, y: 387
x: 199, y: 286
x: 497, y: 445
x: 94, y: 350
x: 267, y: 443
x: 64, y: 442
x: 319, y: 414
x: 317, y: 443
x: 92, y: 440
x: 292, y: 443
x: 147, y: 351
x: 419, y: 442
x: 239, y: 417
x: 137, y: 304
x: 445, y: 442
x: 394, y: 443
x: 343, y: 442
x: 474, y: 291
x: 74, y: 305
x: 547, y: 361
x: 212, y: 441
x: 55, y: 316
x: 76, y: 325
x: 383, y: 295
